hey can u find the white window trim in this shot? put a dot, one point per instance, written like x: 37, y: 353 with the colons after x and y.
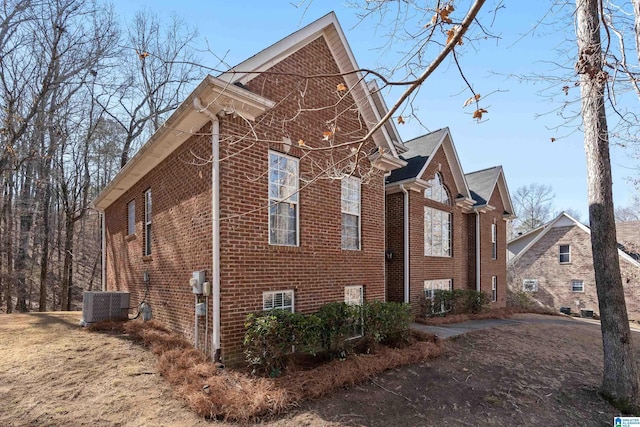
x: 494, y: 241
x: 494, y: 288
x: 532, y: 282
x: 148, y: 215
x: 276, y: 201
x: 358, y: 214
x: 131, y: 217
x: 265, y: 294
x: 449, y: 232
x: 560, y: 253
x: 573, y: 282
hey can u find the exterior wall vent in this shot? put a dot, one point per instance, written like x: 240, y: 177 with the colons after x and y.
x: 98, y: 306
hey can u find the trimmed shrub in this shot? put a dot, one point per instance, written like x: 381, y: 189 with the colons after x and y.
x: 387, y: 323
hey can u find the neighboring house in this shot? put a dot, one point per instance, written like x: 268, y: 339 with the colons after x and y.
x: 628, y: 235
x: 554, y: 265
x: 231, y: 186
x: 445, y: 230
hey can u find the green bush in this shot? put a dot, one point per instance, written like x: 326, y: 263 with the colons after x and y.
x: 336, y: 329
x: 387, y: 322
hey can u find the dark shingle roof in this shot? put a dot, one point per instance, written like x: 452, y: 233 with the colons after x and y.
x: 481, y: 184
x: 418, y: 153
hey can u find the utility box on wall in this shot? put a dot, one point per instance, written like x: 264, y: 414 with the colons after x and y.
x: 197, y: 282
x: 201, y: 309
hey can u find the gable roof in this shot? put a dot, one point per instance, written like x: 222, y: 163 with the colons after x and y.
x: 226, y: 93
x: 483, y: 183
x: 562, y: 220
x: 329, y: 28
x: 419, y: 154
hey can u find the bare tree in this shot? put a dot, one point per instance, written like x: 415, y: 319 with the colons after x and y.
x: 620, y: 377
x: 534, y: 206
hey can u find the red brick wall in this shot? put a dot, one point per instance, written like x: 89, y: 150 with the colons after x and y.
x: 395, y: 243
x: 181, y: 236
x: 488, y: 266
x: 541, y: 262
x: 317, y: 270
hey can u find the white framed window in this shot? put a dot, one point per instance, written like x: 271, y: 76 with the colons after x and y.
x: 430, y: 288
x: 283, y: 200
x: 147, y: 222
x: 354, y: 295
x: 565, y: 254
x: 131, y: 217
x: 282, y: 300
x: 577, y: 286
x: 437, y: 232
x: 494, y: 288
x: 437, y: 191
x: 350, y: 207
x: 530, y: 285
x: 494, y: 241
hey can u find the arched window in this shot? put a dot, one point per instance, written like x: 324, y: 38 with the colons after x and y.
x: 437, y: 191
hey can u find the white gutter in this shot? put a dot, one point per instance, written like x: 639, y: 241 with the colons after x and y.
x: 478, y: 288
x: 103, y: 250
x: 406, y: 243
x: 215, y: 225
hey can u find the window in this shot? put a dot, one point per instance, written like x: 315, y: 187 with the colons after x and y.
x: 494, y: 288
x: 354, y: 295
x: 494, y: 241
x: 530, y: 285
x: 350, y: 206
x: 577, y: 286
x: 282, y: 300
x: 437, y: 191
x: 147, y: 222
x: 131, y: 217
x: 283, y: 200
x: 437, y: 232
x: 430, y: 288
x: 565, y: 254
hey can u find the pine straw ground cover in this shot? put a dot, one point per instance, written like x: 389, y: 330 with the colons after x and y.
x: 218, y: 393
x: 498, y: 313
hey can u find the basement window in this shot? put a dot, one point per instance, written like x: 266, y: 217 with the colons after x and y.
x: 278, y: 300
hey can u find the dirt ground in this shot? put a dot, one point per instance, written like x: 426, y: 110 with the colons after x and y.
x: 544, y: 371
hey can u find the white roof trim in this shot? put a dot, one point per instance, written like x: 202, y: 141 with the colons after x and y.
x: 212, y: 93
x: 456, y: 167
x: 327, y: 27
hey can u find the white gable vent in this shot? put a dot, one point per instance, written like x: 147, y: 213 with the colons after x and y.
x: 97, y: 306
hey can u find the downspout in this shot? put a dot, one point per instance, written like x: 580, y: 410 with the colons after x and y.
x: 478, y: 288
x: 103, y: 252
x: 215, y: 226
x: 406, y: 243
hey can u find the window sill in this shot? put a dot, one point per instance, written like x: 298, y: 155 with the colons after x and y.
x: 130, y: 237
x: 566, y: 263
x: 147, y: 258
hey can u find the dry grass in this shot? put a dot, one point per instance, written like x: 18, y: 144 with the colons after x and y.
x: 217, y: 393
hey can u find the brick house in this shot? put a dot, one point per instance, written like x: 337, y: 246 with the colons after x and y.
x: 445, y: 229
x: 554, y: 265
x: 250, y: 182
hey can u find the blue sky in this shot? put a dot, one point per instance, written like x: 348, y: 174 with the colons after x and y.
x: 519, y: 126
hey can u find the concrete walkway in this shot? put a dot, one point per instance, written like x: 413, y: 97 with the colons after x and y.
x: 455, y: 329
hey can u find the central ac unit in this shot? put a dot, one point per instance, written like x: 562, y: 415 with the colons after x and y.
x: 97, y: 306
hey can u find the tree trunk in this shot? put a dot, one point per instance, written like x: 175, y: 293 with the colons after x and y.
x: 7, y: 214
x: 67, y: 268
x: 620, y: 380
x: 44, y: 256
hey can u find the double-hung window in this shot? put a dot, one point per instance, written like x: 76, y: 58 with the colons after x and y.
x: 565, y: 254
x: 131, y: 217
x: 350, y: 206
x: 147, y: 222
x: 577, y: 286
x: 494, y: 241
x: 283, y: 199
x: 282, y: 300
x: 437, y: 232
x: 494, y: 288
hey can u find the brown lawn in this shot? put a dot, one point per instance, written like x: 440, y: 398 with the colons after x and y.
x: 544, y: 371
